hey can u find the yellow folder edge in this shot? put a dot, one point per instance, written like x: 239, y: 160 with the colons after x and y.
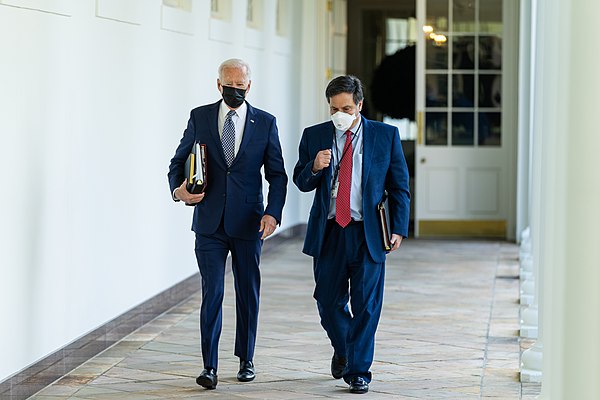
x: 192, y: 164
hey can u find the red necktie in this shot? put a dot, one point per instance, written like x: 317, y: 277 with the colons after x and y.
x: 342, y: 202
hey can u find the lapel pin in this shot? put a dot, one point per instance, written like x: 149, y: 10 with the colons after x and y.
x: 252, y: 120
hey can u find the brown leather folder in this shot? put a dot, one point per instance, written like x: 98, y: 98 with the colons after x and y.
x: 384, y: 222
x: 195, y: 169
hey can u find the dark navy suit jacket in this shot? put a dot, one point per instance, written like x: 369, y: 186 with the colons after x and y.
x: 235, y: 192
x: 384, y: 168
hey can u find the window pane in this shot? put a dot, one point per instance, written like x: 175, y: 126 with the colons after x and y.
x: 463, y: 16
x: 490, y: 90
x: 250, y: 12
x: 436, y: 129
x: 490, y: 52
x: 397, y: 35
x: 437, y: 15
x: 283, y: 18
x: 436, y: 54
x: 184, y: 5
x: 220, y: 9
x: 490, y: 16
x: 463, y: 52
x: 463, y: 128
x: 490, y: 129
x: 436, y: 94
x: 463, y: 90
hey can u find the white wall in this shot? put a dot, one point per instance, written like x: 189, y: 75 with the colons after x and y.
x: 91, y: 110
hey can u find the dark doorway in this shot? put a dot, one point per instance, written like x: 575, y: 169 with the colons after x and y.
x: 381, y: 53
x: 373, y: 38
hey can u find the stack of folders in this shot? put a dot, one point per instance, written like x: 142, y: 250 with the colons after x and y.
x: 195, y: 169
x: 384, y: 222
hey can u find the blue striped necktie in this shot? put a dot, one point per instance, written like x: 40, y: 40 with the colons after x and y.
x: 228, y: 138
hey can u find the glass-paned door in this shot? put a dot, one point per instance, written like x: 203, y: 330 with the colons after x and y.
x: 463, y: 72
x: 462, y: 169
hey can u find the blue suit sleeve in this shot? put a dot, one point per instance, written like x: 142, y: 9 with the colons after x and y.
x: 275, y: 174
x: 398, y: 189
x: 304, y: 178
x: 176, y: 173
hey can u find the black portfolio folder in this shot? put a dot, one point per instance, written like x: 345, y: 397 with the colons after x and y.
x: 384, y: 222
x: 195, y: 169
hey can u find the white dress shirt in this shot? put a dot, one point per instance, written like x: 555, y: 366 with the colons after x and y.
x: 356, y: 211
x: 239, y: 121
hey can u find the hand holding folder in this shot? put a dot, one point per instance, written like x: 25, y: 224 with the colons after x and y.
x: 195, y: 169
x: 384, y: 222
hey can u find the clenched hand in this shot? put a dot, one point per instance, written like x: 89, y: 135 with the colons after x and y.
x: 322, y: 160
x: 182, y: 194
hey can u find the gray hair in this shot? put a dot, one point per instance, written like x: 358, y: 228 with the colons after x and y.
x: 234, y: 63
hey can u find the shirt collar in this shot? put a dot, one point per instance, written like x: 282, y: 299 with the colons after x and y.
x: 241, y: 111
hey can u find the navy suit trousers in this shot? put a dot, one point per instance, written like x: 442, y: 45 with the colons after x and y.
x: 344, y: 272
x: 211, y: 254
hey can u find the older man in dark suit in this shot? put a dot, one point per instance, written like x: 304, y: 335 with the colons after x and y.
x: 230, y: 215
x: 351, y: 162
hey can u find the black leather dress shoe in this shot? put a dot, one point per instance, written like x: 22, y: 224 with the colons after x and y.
x: 359, y: 385
x: 208, y: 378
x: 246, y: 372
x: 338, y: 366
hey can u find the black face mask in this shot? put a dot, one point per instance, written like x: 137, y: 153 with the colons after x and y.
x: 233, y: 97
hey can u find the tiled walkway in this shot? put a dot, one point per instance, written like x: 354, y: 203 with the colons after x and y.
x: 448, y: 331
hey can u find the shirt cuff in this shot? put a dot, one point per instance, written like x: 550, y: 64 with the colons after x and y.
x: 173, y: 195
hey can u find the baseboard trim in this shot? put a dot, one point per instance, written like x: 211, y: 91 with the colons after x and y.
x: 42, y: 373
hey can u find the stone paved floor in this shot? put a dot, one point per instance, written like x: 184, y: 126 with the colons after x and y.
x: 448, y: 331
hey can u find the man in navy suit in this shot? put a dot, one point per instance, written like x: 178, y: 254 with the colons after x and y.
x: 351, y: 162
x: 229, y: 216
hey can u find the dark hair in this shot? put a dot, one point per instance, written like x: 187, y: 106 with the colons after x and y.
x: 345, y: 84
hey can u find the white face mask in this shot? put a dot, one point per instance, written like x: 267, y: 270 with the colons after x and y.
x: 342, y: 120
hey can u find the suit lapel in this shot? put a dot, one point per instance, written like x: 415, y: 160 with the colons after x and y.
x: 249, y: 129
x: 368, y: 147
x: 213, y: 124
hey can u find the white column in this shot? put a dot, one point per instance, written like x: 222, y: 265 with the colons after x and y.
x: 529, y: 314
x: 531, y: 359
x: 529, y: 319
x: 524, y: 120
x: 571, y: 244
x: 313, y: 68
